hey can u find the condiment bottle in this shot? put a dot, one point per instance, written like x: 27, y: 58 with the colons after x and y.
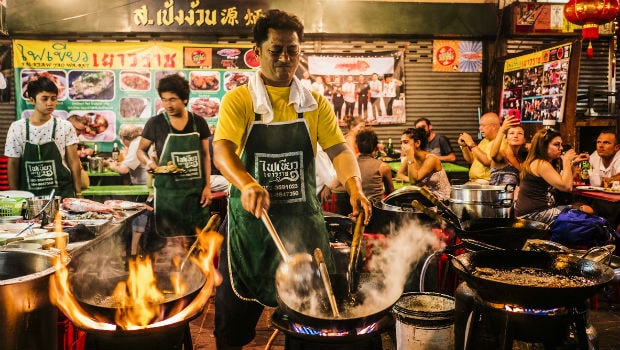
x: 390, y: 148
x: 585, y: 172
x: 115, y: 152
x: 95, y: 150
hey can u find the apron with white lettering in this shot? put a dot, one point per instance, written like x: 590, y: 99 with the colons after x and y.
x: 177, y: 197
x: 281, y: 158
x: 41, y: 168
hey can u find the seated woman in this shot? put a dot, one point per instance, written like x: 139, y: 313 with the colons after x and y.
x: 376, y: 175
x: 508, y: 151
x: 130, y: 137
x: 421, y: 167
x: 544, y: 171
x: 355, y: 125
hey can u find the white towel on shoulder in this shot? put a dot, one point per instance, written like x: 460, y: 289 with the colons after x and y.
x: 300, y: 97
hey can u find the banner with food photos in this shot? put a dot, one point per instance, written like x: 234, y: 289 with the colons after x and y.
x: 108, y: 84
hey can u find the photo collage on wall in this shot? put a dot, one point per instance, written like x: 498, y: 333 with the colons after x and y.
x: 534, y: 85
x: 369, y: 86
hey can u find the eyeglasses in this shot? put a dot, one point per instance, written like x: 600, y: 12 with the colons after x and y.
x: 290, y: 52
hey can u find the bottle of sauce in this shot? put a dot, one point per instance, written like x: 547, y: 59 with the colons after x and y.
x: 390, y: 148
x: 96, y: 150
x: 585, y: 172
x: 115, y: 152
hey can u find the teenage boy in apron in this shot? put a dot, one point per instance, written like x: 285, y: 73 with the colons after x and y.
x: 180, y: 137
x: 264, y: 145
x: 42, y: 149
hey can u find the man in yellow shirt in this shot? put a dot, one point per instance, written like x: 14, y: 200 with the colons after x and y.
x: 265, y: 144
x: 478, y: 154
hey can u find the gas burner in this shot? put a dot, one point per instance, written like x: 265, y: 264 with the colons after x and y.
x: 521, y: 309
x: 332, y: 332
x: 482, y: 324
x: 172, y: 337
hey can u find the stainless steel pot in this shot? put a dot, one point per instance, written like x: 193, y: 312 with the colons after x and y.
x: 482, y: 201
x: 27, y: 316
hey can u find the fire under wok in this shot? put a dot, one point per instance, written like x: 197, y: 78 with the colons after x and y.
x: 96, y: 295
x: 367, y: 305
x: 531, y: 278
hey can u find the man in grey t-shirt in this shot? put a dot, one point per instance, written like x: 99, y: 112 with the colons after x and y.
x: 438, y: 145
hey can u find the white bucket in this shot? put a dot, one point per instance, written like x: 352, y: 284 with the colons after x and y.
x: 424, y: 321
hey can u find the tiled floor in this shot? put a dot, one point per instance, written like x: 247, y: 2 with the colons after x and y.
x: 605, y: 321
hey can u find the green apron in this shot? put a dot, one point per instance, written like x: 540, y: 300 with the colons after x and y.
x: 177, y: 197
x: 280, y: 157
x: 41, y: 168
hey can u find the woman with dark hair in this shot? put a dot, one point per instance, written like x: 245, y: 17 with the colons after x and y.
x: 546, y: 170
x: 376, y: 175
x: 508, y: 151
x: 421, y: 167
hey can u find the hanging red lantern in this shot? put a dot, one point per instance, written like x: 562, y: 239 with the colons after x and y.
x: 590, y: 14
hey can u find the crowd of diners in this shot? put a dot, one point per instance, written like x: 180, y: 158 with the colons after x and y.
x: 273, y: 120
x: 540, y: 170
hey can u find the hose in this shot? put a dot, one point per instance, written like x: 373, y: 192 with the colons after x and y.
x: 427, y: 262
x: 271, y: 339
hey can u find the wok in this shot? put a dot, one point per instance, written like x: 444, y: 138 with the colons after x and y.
x: 390, y: 213
x: 504, y: 233
x: 369, y: 304
x: 95, y: 295
x: 531, y: 295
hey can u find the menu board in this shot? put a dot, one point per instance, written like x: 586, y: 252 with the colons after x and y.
x: 535, y: 85
x: 108, y: 84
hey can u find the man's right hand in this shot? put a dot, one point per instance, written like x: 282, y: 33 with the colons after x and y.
x: 254, y: 198
x: 465, y: 139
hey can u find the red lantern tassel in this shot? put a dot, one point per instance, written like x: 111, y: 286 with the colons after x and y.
x: 590, y: 51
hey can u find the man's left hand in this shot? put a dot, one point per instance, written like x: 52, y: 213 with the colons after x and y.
x: 205, y: 197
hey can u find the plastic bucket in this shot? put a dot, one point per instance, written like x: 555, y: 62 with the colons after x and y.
x: 424, y: 321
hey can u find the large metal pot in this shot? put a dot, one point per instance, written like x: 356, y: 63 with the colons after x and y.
x: 482, y: 201
x: 27, y: 316
x: 390, y: 212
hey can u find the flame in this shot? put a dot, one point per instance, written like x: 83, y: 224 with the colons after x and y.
x: 57, y: 222
x: 139, y: 297
x: 61, y: 240
x: 139, y: 306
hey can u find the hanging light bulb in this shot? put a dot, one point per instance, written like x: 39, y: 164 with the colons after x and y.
x: 590, y: 14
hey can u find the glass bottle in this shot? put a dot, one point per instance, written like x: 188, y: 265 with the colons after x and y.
x: 585, y: 172
x: 115, y: 152
x: 390, y: 148
x: 96, y: 150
